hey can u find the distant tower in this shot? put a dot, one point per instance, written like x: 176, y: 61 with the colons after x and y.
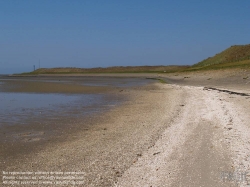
x: 34, y: 67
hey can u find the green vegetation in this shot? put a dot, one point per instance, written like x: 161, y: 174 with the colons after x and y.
x: 159, y: 79
x: 237, y: 56
x: 245, y: 64
x: 235, y: 53
x: 162, y: 81
x: 119, y: 69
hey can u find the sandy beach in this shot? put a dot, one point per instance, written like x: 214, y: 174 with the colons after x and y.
x: 124, y: 93
x: 182, y: 133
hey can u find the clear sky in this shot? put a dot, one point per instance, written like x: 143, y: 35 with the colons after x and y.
x: 101, y: 33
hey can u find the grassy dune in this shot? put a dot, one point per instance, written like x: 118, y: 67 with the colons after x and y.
x: 245, y: 64
x: 119, y: 69
x: 237, y: 56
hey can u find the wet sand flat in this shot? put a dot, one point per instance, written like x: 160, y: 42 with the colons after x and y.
x: 103, y: 145
x: 35, y: 111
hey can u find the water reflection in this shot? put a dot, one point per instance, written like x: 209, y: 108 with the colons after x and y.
x: 17, y: 108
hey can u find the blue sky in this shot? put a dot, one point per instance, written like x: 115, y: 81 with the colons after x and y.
x: 101, y: 33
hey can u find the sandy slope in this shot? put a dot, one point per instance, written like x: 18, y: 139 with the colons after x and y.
x: 208, y: 140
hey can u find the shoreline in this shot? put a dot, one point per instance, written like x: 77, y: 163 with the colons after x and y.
x: 174, y: 134
x: 209, y: 138
x: 137, y: 120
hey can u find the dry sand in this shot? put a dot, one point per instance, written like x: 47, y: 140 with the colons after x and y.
x: 232, y: 79
x: 177, y: 134
x: 210, y: 137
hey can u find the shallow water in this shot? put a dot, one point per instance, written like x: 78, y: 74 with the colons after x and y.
x: 17, y: 108
x: 87, y: 81
x: 39, y: 108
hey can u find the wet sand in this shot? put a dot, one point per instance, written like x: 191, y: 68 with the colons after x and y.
x: 104, y: 145
x: 39, y: 130
x: 177, y: 134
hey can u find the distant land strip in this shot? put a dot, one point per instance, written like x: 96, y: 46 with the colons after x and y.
x: 115, y: 69
x: 235, y: 57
